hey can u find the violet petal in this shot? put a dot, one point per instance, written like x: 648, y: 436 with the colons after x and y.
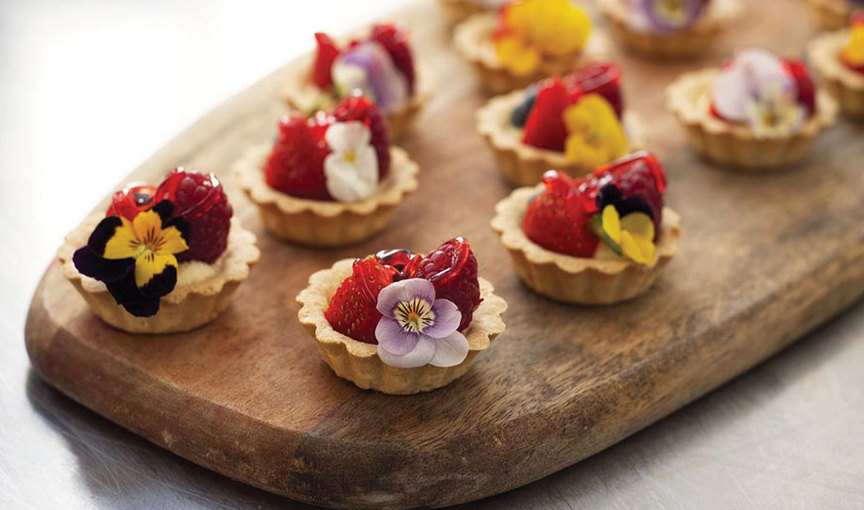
x: 447, y: 319
x: 450, y: 351
x: 393, y: 338
x: 422, y: 354
x: 404, y: 291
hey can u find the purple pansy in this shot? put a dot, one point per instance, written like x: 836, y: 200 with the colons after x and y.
x: 416, y: 328
x: 369, y: 68
x: 670, y: 15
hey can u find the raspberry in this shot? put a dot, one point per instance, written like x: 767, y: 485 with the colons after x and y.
x: 558, y: 220
x: 359, y: 108
x: 296, y: 164
x: 804, y: 84
x: 325, y: 54
x: 352, y: 309
x: 131, y: 200
x: 201, y: 201
x: 545, y: 128
x: 395, y: 41
x: 602, y: 78
x: 452, y: 269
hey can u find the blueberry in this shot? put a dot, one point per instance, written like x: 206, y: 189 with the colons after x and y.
x: 520, y: 114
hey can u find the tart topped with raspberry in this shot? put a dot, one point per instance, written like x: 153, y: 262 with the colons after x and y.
x: 527, y: 40
x: 329, y: 179
x: 402, y: 322
x: 757, y: 112
x: 838, y: 57
x: 161, y: 258
x: 574, y: 124
x: 669, y: 28
x: 597, y: 239
x: 380, y: 66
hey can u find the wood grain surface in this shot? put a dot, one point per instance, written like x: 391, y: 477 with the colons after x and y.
x: 764, y: 259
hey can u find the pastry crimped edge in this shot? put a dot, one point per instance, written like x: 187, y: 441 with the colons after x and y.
x: 460, y: 10
x: 829, y: 15
x: 734, y: 145
x: 844, y: 84
x: 359, y: 363
x: 186, y: 307
x: 578, y: 280
x: 319, y: 222
x: 687, y: 43
x: 473, y: 40
x: 523, y: 165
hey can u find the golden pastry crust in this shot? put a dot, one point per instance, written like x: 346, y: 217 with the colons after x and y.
x: 688, y: 43
x: 319, y: 222
x: 473, y: 40
x: 829, y: 14
x: 522, y: 164
x: 460, y: 10
x: 359, y: 363
x: 735, y: 145
x: 844, y: 84
x: 188, y: 306
x: 601, y: 280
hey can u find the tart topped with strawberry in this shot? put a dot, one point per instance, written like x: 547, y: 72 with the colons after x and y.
x: 597, y: 239
x: 757, y: 112
x: 161, y: 258
x: 527, y: 40
x: 402, y: 322
x: 669, y: 28
x: 838, y: 57
x: 330, y: 179
x: 381, y: 67
x: 575, y: 124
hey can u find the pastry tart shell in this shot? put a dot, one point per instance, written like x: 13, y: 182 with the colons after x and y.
x: 473, y: 40
x: 578, y: 280
x: 460, y: 10
x: 523, y: 165
x: 734, y: 145
x: 359, y: 363
x: 829, y: 14
x: 325, y: 223
x: 188, y: 306
x: 845, y: 85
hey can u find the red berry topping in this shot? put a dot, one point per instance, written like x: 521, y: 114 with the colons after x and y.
x: 558, y: 220
x: 602, y: 78
x: 201, y: 201
x: 361, y: 109
x: 452, y: 269
x: 395, y: 41
x: 352, y: 309
x: 403, y: 261
x: 131, y: 200
x: 545, y: 128
x: 325, y: 55
x: 806, y: 88
x: 296, y: 164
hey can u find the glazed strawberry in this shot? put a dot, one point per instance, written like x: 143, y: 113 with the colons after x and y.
x: 325, y: 55
x: 806, y: 89
x: 452, y: 269
x: 361, y: 109
x: 545, y: 128
x: 352, y: 309
x: 602, y: 78
x: 296, y: 164
x: 558, y: 220
x: 201, y: 201
x: 404, y: 262
x: 131, y: 200
x: 395, y: 41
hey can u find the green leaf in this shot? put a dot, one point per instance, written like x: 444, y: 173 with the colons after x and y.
x: 596, y: 226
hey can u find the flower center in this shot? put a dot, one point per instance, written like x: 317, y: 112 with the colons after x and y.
x: 672, y: 10
x: 350, y: 157
x: 152, y: 241
x: 415, y: 315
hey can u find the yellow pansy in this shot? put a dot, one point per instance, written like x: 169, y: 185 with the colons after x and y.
x: 596, y: 136
x: 632, y: 235
x: 853, y: 52
x: 516, y: 55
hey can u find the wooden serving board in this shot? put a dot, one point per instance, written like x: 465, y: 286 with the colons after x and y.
x: 764, y: 260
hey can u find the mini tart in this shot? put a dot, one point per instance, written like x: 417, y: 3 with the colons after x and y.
x: 301, y: 94
x: 359, y: 363
x: 844, y: 84
x: 602, y: 280
x: 829, y: 14
x: 693, y: 41
x: 460, y: 10
x: 473, y: 40
x: 320, y: 222
x: 524, y: 165
x: 733, y: 144
x: 202, y: 292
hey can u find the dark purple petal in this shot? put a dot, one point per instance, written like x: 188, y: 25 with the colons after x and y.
x: 88, y: 263
x: 393, y: 338
x: 447, y: 319
x: 163, y: 209
x: 691, y: 12
x: 127, y: 295
x: 161, y: 283
x: 102, y: 233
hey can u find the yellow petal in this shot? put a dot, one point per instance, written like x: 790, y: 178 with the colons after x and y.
x: 150, y: 264
x: 638, y: 249
x: 173, y: 241
x: 147, y: 226
x: 639, y: 224
x: 587, y: 155
x: 124, y: 243
x: 612, y: 223
x: 516, y: 56
x: 854, y: 50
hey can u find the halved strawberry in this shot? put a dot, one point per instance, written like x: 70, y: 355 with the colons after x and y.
x: 558, y: 220
x: 545, y: 128
x: 806, y: 88
x: 405, y: 262
x: 325, y: 54
x: 395, y: 41
x: 352, y: 309
x: 602, y: 78
x: 361, y: 109
x: 131, y: 200
x: 452, y: 269
x: 296, y: 164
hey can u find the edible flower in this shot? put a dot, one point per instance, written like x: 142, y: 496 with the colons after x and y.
x: 853, y: 53
x: 631, y: 236
x: 416, y: 328
x: 351, y: 169
x: 530, y: 29
x: 368, y: 68
x: 136, y: 259
x: 596, y: 137
x: 670, y: 15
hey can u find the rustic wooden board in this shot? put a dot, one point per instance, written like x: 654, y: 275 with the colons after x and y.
x: 763, y: 261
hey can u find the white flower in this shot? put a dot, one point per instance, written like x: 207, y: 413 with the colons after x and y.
x: 773, y: 111
x: 351, y: 169
x: 737, y: 85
